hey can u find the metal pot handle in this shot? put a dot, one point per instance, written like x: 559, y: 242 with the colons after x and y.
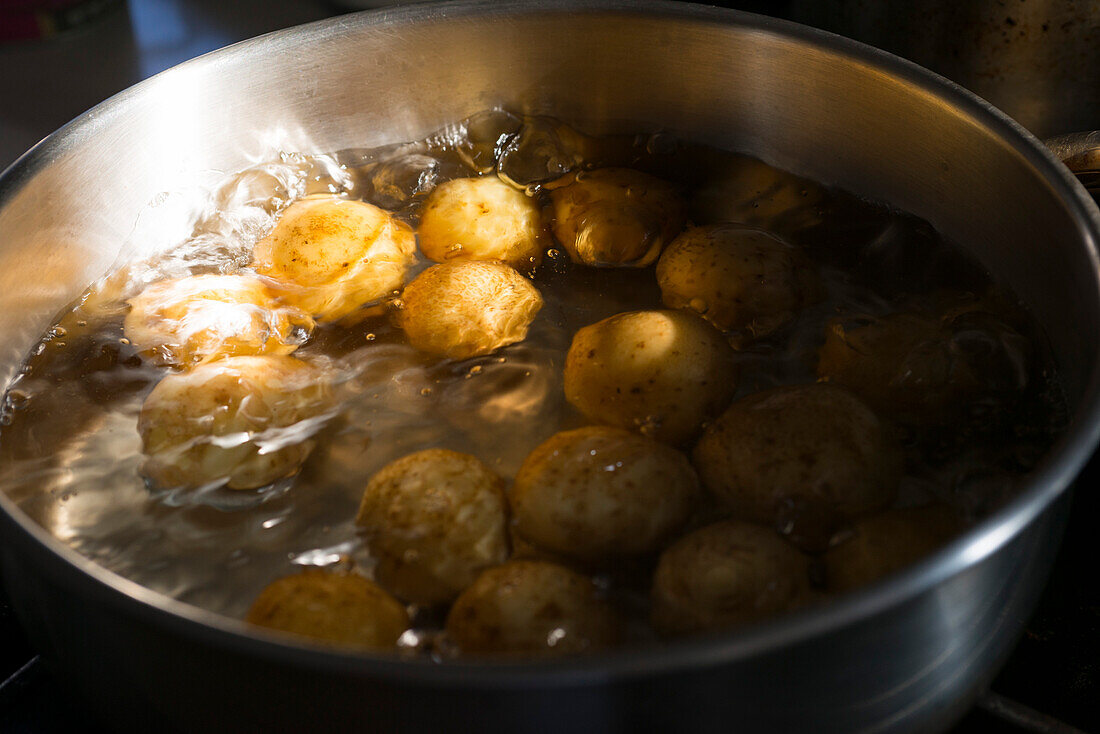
x: 1081, y: 154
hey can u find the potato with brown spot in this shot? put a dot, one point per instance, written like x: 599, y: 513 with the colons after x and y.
x: 434, y: 520
x: 335, y: 255
x: 727, y: 574
x: 615, y: 217
x: 600, y: 492
x: 186, y: 321
x: 663, y: 373
x: 342, y: 609
x: 738, y: 278
x: 881, y: 544
x: 241, y: 421
x: 468, y: 308
x: 814, y: 444
x: 482, y: 218
x: 531, y: 608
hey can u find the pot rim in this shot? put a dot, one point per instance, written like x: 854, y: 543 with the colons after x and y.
x: 1043, y: 486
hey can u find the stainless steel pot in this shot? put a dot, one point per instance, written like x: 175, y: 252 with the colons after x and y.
x: 909, y: 654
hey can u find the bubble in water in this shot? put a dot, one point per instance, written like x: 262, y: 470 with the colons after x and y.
x: 543, y: 150
x: 483, y: 136
x: 395, y: 181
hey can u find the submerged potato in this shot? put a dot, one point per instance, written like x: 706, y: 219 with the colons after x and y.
x: 339, y: 608
x: 468, y: 308
x: 599, y: 491
x: 200, y: 318
x: 737, y: 277
x: 534, y: 608
x: 660, y: 372
x: 482, y: 219
x: 925, y: 368
x: 434, y: 520
x: 335, y: 255
x: 615, y: 217
x: 726, y: 574
x: 240, y: 420
x: 884, y: 543
x: 816, y: 445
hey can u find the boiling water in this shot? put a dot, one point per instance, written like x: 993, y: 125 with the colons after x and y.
x: 71, y: 453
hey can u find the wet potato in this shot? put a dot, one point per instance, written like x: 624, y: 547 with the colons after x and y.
x: 482, y: 219
x: 738, y: 278
x: 727, y: 574
x: 818, y: 444
x: 468, y: 308
x: 615, y: 217
x: 926, y: 368
x: 337, y: 608
x: 663, y: 373
x: 241, y: 421
x: 434, y: 520
x: 531, y: 608
x: 600, y: 492
x: 335, y: 255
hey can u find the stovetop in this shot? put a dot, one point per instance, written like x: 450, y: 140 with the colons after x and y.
x: 1049, y: 685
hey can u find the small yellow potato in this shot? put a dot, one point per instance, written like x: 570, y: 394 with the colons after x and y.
x: 186, y: 321
x: 468, y: 308
x: 884, y: 543
x: 598, y: 491
x: 244, y: 421
x: 737, y: 277
x: 338, y: 608
x: 753, y: 193
x: 663, y: 373
x: 482, y: 219
x: 615, y: 217
x: 924, y: 368
x: 434, y: 520
x: 531, y: 608
x: 727, y: 574
x: 817, y: 445
x: 335, y: 255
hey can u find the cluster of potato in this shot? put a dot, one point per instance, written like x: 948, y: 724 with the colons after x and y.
x: 672, y: 470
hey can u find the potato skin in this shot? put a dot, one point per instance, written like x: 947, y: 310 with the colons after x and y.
x: 531, y: 608
x: 615, y: 217
x: 186, y: 321
x: 338, y: 608
x: 660, y: 372
x: 727, y: 574
x: 186, y: 413
x: 599, y: 491
x: 818, y: 444
x: 922, y: 367
x: 737, y: 277
x: 434, y: 520
x: 335, y: 255
x: 468, y: 308
x: 882, y: 544
x: 482, y: 218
